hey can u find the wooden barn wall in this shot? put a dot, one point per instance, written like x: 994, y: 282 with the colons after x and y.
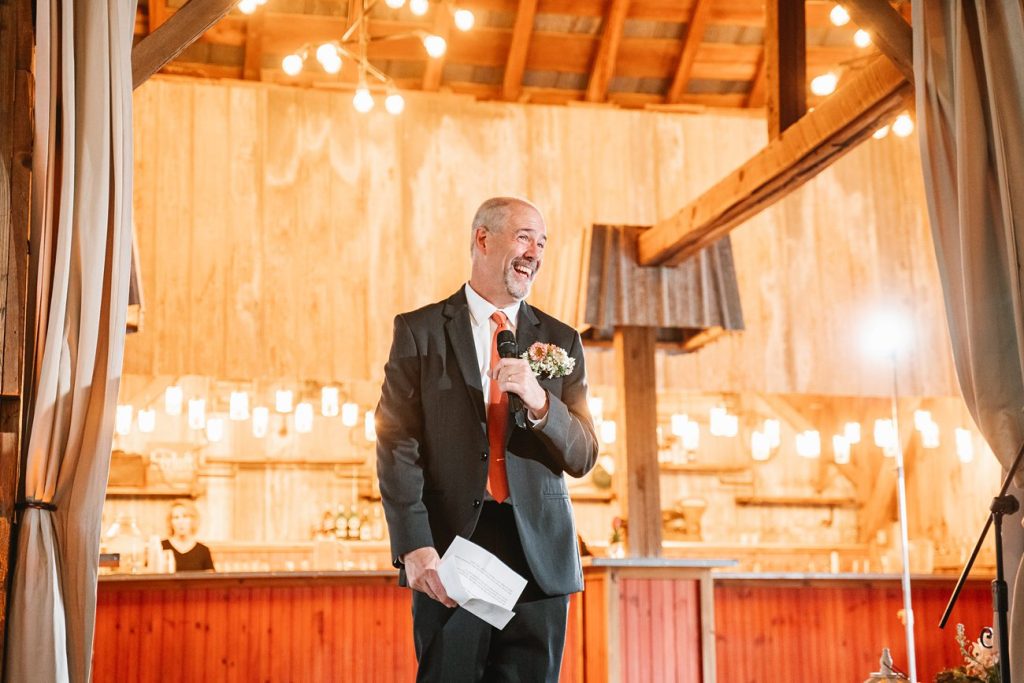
x: 280, y: 231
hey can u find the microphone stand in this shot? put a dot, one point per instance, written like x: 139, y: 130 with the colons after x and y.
x: 1003, y: 504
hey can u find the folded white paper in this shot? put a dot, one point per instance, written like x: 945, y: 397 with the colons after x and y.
x: 480, y: 582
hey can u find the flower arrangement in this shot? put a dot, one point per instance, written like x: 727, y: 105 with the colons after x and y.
x: 981, y: 661
x: 548, y: 361
x: 617, y: 531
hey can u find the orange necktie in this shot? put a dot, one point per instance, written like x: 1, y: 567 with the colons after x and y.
x: 497, y: 421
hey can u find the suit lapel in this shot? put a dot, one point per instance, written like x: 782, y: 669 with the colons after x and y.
x: 460, y: 336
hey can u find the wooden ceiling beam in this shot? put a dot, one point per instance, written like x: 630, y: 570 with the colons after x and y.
x: 435, y: 65
x: 692, y: 39
x: 869, y: 99
x: 785, y: 54
x: 888, y: 29
x: 252, y: 63
x: 174, y: 35
x: 607, y: 51
x: 755, y: 98
x: 515, y: 64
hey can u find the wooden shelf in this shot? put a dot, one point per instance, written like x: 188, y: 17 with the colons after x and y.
x: 703, y: 468
x: 283, y: 462
x: 591, y: 496
x: 150, y: 492
x: 797, y: 501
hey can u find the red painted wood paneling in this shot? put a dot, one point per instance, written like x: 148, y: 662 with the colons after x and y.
x: 835, y: 631
x: 660, y: 630
x: 274, y: 630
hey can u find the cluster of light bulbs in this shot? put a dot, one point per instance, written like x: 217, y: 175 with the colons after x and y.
x: 765, y: 440
x: 239, y: 411
x: 250, y: 6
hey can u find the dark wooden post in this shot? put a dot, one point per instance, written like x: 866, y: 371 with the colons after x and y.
x: 785, y: 54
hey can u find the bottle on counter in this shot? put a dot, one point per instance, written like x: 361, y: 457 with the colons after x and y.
x: 341, y: 524
x: 353, y: 524
x: 377, y: 523
x: 365, y: 532
x: 327, y: 523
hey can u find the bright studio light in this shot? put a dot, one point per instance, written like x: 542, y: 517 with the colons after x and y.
x: 435, y: 45
x: 292, y: 65
x: 839, y: 16
x: 394, y: 104
x: 903, y: 125
x: 464, y: 19
x: 861, y: 38
x: 886, y: 334
x: 825, y: 84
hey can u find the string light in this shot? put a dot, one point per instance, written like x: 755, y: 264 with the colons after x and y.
x: 903, y: 125
x: 292, y: 65
x: 247, y: 6
x: 173, y: 398
x: 464, y: 19
x: 329, y: 397
x: 964, y: 445
x: 773, y: 430
x: 123, y: 420
x: 839, y: 16
x: 435, y: 46
x: 350, y: 414
x: 861, y: 38
x: 369, y: 426
x: 362, y: 100
x: 238, y: 406
x: 283, y: 400
x: 851, y: 432
x: 147, y: 421
x: 394, y: 103
x: 606, y: 432
x: 881, y: 132
x: 260, y: 421
x: 196, y: 413
x: 304, y: 418
x: 760, y: 446
x: 825, y: 84
x: 596, y: 405
x: 214, y: 429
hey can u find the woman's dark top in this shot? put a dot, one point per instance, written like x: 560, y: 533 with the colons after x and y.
x: 195, y: 560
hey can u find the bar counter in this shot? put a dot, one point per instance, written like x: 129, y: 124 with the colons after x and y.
x: 638, y: 620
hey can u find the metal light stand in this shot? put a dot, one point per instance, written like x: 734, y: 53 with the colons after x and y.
x: 901, y: 498
x: 1003, y: 504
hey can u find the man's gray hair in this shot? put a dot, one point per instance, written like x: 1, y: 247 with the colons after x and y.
x: 494, y: 215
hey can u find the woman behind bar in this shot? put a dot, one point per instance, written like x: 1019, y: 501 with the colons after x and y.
x: 189, y: 554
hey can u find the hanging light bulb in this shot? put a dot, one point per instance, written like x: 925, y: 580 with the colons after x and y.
x: 861, y: 38
x: 851, y: 431
x: 964, y: 445
x: 369, y: 426
x: 903, y: 125
x: 760, y: 446
x: 283, y: 400
x: 773, y: 430
x: 419, y: 7
x: 247, y: 6
x: 260, y: 421
x: 332, y: 65
x: 238, y: 406
x: 362, y: 100
x: 394, y: 103
x: 304, y: 418
x: 329, y: 401
x: 435, y: 46
x: 395, y: 4
x: 808, y: 444
x: 173, y: 397
x: 930, y: 436
x: 123, y: 420
x: 464, y: 19
x: 214, y: 429
x: 839, y: 16
x: 885, y: 434
x: 292, y: 65
x: 825, y: 84
x: 840, y: 449
x: 881, y: 132
x: 147, y: 421
x: 326, y: 52
x: 350, y: 414
x: 196, y: 413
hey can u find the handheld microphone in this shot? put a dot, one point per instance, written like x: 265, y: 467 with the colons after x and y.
x: 507, y: 348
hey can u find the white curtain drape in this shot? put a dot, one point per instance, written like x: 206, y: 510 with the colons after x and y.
x: 969, y: 79
x: 81, y: 250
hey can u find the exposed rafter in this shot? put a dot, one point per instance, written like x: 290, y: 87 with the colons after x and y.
x: 515, y: 65
x: 755, y: 98
x: 252, y: 66
x: 870, y: 98
x: 691, y: 42
x: 174, y: 35
x: 785, y: 55
x: 607, y: 51
x: 888, y: 29
x: 435, y: 66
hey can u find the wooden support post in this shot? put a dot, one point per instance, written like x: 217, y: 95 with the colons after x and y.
x: 16, y: 115
x: 638, y: 425
x: 785, y: 52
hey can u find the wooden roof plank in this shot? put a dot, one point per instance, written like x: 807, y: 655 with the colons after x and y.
x: 174, y: 35
x: 810, y: 145
x: 607, y: 51
x: 522, y: 31
x: 691, y: 41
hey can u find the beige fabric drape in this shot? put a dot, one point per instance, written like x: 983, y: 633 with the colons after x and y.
x: 81, y: 237
x: 969, y: 79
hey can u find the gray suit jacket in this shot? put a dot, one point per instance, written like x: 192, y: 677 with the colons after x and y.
x: 432, y: 451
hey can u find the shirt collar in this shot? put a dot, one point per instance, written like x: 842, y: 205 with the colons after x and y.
x: 480, y: 309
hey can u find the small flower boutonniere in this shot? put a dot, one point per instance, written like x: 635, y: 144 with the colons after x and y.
x: 548, y: 360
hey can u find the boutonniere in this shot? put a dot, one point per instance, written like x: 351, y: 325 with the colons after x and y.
x: 549, y: 361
